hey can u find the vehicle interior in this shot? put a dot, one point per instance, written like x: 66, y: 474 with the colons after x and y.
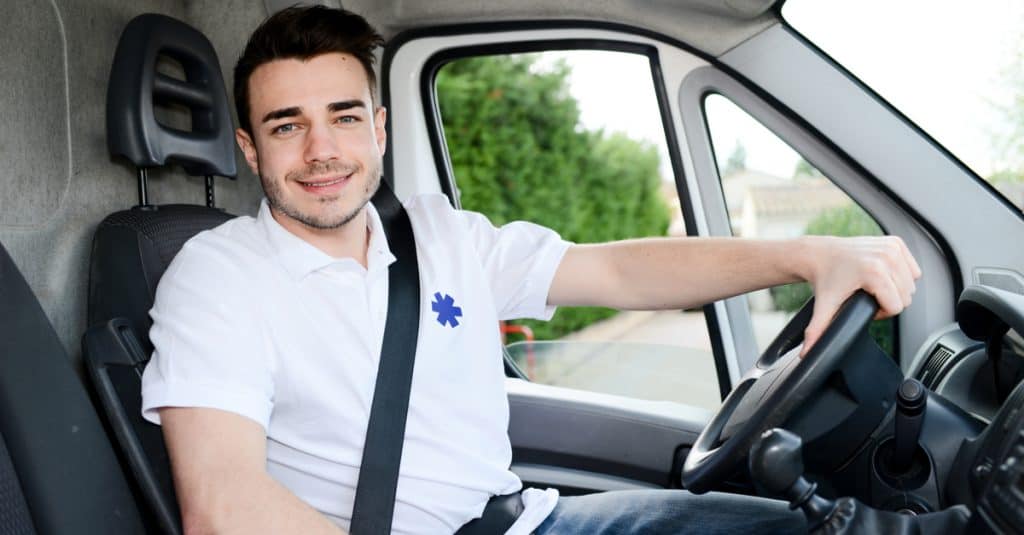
x: 122, y: 148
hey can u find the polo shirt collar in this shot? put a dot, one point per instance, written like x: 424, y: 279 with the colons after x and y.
x: 299, y: 258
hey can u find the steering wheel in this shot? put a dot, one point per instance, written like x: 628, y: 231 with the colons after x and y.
x: 778, y: 383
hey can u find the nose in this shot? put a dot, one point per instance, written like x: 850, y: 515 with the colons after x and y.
x: 321, y: 145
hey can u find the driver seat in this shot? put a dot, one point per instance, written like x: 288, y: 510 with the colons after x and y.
x: 132, y: 248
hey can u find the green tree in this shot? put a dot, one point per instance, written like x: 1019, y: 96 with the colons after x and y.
x: 849, y: 220
x: 1006, y: 177
x: 737, y: 160
x: 518, y: 152
x: 1010, y: 143
x: 804, y: 169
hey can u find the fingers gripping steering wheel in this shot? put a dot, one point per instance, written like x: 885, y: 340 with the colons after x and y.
x: 778, y: 383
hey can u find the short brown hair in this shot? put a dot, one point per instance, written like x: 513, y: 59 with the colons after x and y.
x: 303, y: 33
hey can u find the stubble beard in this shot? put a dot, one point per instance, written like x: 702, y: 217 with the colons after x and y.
x: 274, y: 191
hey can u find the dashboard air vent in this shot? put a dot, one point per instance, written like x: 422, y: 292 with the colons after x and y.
x: 933, y: 369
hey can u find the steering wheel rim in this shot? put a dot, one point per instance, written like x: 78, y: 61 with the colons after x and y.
x: 769, y: 393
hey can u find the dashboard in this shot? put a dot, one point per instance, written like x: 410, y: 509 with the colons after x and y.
x: 976, y: 367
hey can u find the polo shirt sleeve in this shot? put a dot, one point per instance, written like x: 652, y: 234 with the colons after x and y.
x: 519, y: 259
x: 209, y: 346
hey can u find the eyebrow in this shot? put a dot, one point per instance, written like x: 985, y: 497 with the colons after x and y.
x: 282, y: 113
x: 345, y: 105
x: 295, y: 110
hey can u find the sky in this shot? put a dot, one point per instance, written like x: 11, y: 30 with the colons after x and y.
x: 941, y: 63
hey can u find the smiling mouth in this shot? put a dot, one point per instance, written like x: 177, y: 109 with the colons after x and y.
x: 323, y: 183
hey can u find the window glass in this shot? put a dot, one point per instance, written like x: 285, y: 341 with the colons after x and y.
x: 772, y: 192
x: 956, y: 69
x: 544, y: 137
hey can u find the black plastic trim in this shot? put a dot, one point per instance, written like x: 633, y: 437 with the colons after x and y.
x: 135, y: 86
x: 718, y: 348
x: 115, y: 359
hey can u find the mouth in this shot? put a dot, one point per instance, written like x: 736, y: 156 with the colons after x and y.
x: 322, y: 185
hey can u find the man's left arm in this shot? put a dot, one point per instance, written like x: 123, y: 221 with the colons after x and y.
x: 677, y: 273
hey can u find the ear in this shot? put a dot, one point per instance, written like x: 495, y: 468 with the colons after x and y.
x: 380, y: 117
x: 248, y: 149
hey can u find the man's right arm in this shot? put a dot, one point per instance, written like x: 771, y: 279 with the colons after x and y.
x: 219, y: 464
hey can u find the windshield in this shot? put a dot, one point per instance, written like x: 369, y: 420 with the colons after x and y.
x: 955, y: 69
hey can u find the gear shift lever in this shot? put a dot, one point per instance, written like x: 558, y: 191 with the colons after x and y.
x: 911, y: 400
x: 776, y: 463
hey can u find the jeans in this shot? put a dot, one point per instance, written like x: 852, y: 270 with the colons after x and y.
x: 670, y: 511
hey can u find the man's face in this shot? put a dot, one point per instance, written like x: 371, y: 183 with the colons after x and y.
x: 317, y: 143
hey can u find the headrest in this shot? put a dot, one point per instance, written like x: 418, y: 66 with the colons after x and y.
x: 136, y: 87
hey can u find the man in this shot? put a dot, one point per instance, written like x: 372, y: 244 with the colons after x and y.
x: 267, y: 330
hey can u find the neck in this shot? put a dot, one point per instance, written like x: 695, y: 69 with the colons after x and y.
x: 350, y: 240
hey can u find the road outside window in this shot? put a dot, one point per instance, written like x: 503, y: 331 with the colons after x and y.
x: 543, y: 137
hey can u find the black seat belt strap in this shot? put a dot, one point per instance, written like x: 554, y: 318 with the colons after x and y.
x: 374, y: 505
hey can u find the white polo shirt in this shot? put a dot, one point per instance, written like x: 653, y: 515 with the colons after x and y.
x: 253, y: 320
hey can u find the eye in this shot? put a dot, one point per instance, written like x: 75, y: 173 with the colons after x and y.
x: 345, y: 119
x: 284, y: 128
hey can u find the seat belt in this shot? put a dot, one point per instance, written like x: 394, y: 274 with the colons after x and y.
x: 374, y: 506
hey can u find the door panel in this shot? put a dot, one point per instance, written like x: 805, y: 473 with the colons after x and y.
x: 629, y: 441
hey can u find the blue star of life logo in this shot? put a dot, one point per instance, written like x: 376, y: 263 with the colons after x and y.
x: 446, y: 309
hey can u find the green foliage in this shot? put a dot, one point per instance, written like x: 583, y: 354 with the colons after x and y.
x: 1006, y: 177
x: 737, y: 161
x: 1009, y: 143
x: 1012, y: 142
x: 790, y: 297
x: 849, y: 220
x: 518, y: 153
x: 804, y: 169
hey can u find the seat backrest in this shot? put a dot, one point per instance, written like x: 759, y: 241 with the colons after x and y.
x: 58, y: 470
x: 130, y: 252
x: 132, y: 248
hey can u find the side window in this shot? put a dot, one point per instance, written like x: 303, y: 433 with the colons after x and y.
x: 544, y: 137
x: 772, y: 192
